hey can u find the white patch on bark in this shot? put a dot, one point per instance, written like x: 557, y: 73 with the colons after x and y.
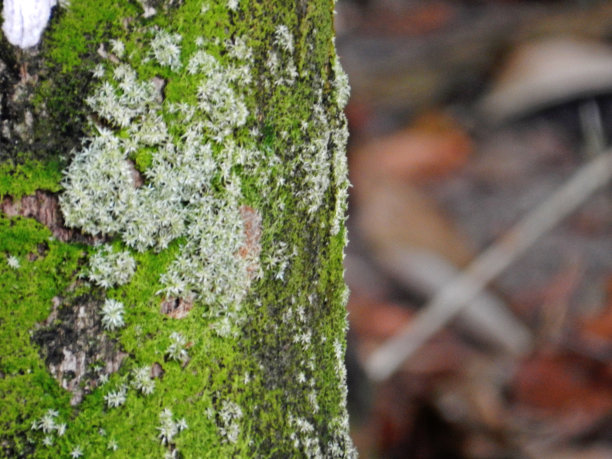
x: 25, y: 20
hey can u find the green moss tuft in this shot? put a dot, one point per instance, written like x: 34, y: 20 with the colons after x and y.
x: 46, y: 266
x: 82, y: 27
x: 17, y: 180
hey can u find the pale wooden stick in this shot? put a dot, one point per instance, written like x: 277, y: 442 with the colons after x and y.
x: 456, y: 295
x: 487, y: 317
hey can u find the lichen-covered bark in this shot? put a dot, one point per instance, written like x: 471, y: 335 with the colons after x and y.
x: 173, y: 191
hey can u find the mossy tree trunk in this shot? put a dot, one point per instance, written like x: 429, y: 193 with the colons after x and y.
x: 173, y: 187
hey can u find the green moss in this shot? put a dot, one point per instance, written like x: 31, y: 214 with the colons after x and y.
x: 143, y: 159
x: 46, y: 267
x: 82, y: 27
x: 17, y: 180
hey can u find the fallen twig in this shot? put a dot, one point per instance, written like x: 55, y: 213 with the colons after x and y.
x: 457, y: 295
x: 487, y: 317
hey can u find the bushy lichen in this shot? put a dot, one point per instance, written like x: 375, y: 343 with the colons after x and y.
x: 108, y: 268
x: 192, y: 189
x: 112, y: 314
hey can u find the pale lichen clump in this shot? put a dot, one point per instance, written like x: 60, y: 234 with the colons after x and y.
x: 341, y: 84
x: 142, y: 380
x: 277, y: 262
x: 117, y: 47
x: 169, y: 427
x: 283, y: 38
x: 319, y: 161
x: 112, y: 445
x: 316, y: 169
x: 50, y: 427
x: 76, y: 452
x: 117, y: 397
x: 280, y: 61
x: 176, y: 350
x: 177, y: 199
x: 229, y: 421
x: 340, y: 424
x: 304, y: 436
x: 339, y: 138
x: 99, y: 189
x: 139, y: 378
x: 13, y: 262
x: 166, y: 49
x: 108, y: 268
x: 233, y: 4
x: 112, y: 314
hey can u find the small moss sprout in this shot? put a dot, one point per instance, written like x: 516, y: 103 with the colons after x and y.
x: 178, y: 199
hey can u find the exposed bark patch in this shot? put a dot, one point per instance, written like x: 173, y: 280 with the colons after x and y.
x: 75, y: 348
x: 106, y: 55
x: 44, y: 207
x: 49, y: 126
x: 157, y: 371
x: 160, y: 87
x: 252, y: 246
x: 137, y: 177
x: 17, y: 87
x: 177, y: 308
x: 41, y: 252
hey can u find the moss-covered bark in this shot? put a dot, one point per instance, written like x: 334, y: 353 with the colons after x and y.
x: 173, y: 189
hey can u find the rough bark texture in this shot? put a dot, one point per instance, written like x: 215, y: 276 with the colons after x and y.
x: 172, y: 189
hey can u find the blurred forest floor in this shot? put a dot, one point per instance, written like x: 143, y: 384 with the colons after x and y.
x: 452, y: 142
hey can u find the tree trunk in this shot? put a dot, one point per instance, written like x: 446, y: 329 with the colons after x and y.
x: 173, y: 187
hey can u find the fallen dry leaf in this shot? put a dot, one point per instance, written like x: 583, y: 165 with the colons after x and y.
x: 414, y: 20
x: 432, y: 146
x: 393, y: 213
x: 545, y: 73
x: 376, y: 320
x: 566, y: 390
x: 601, y: 325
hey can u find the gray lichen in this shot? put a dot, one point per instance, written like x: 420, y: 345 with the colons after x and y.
x: 178, y: 199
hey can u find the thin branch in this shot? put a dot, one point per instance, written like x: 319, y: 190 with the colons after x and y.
x: 487, y: 316
x: 456, y: 295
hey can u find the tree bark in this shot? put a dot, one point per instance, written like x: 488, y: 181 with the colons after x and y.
x: 172, y: 195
